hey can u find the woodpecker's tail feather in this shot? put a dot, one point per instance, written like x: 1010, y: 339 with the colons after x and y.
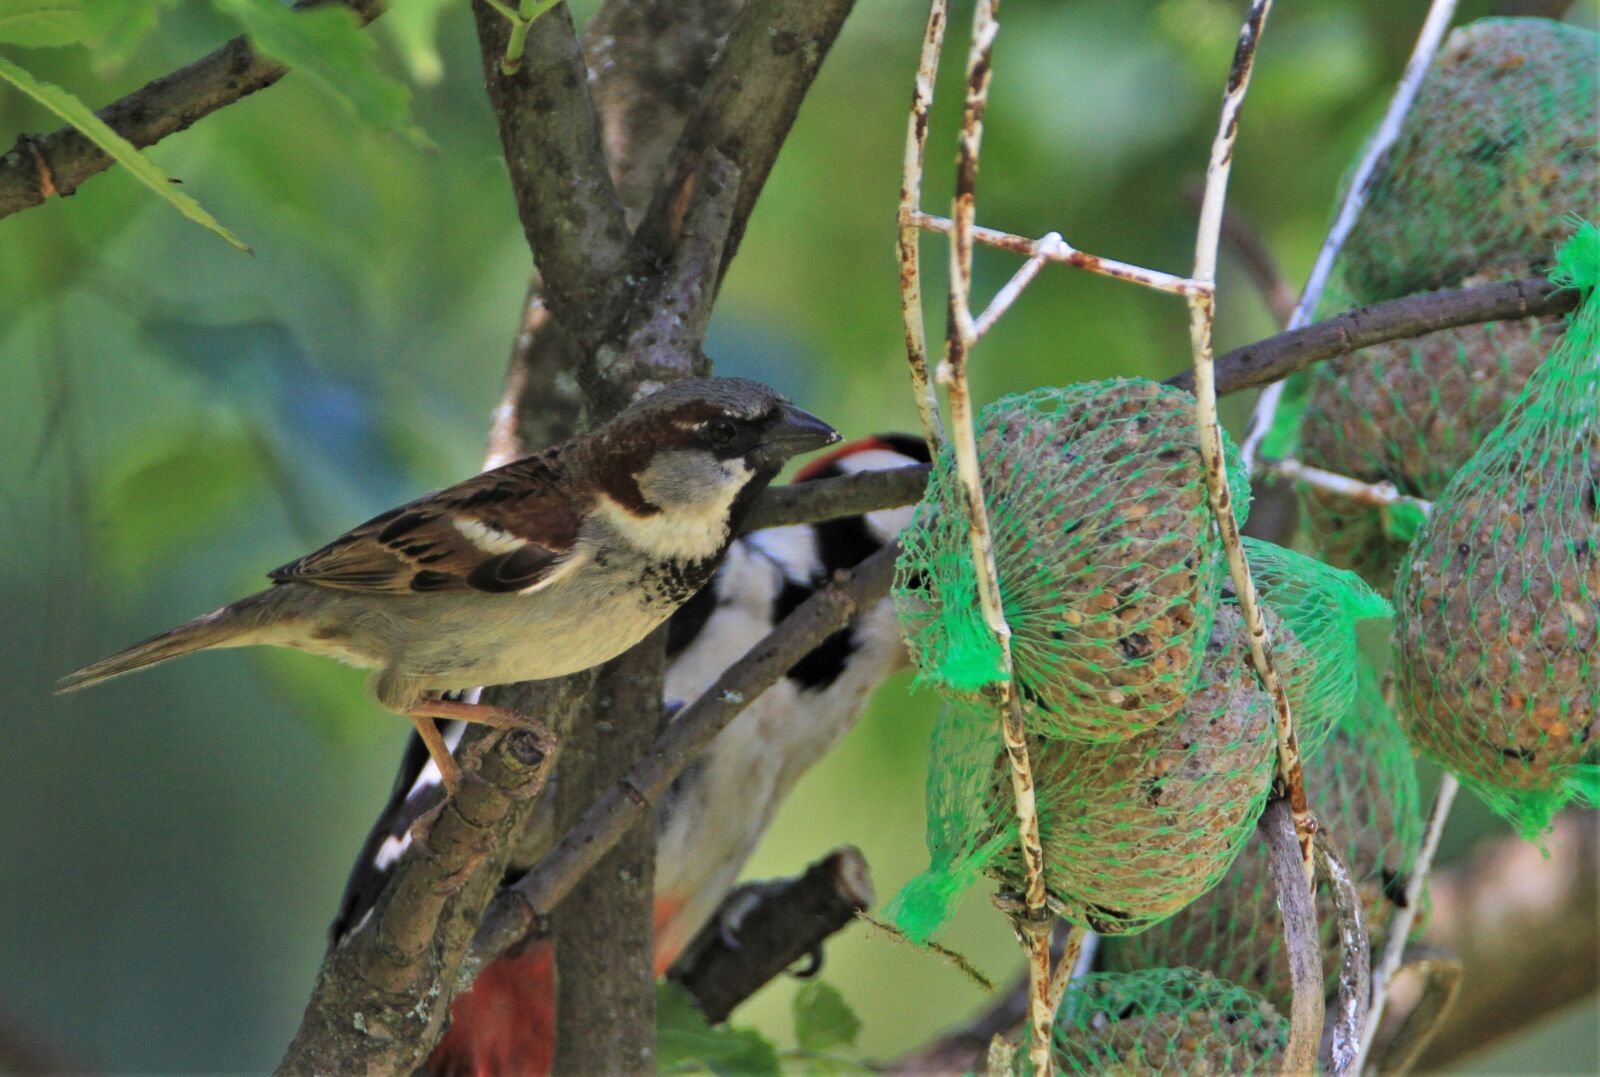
x: 231, y: 626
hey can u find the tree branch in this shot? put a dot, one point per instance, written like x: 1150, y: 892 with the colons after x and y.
x: 518, y: 908
x: 604, y: 940
x: 160, y: 108
x: 746, y: 110
x: 559, y: 174
x: 1277, y: 356
x: 382, y: 995
x: 763, y: 928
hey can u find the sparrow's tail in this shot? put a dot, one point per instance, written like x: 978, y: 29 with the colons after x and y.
x: 231, y: 626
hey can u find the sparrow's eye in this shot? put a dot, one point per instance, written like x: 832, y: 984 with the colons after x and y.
x: 720, y: 431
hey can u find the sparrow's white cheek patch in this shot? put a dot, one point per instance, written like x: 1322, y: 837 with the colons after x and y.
x: 672, y: 534
x: 490, y: 540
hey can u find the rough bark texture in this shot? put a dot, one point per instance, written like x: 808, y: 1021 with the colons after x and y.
x: 603, y: 935
x: 383, y: 994
x: 763, y: 928
x: 160, y: 108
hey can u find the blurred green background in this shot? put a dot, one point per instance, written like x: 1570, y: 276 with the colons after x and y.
x: 181, y: 418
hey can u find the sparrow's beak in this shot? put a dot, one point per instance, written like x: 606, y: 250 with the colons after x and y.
x: 794, y: 432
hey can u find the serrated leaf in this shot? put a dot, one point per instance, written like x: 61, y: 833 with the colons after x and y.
x: 41, y: 23
x: 823, y: 1019
x: 163, y: 495
x: 329, y: 45
x: 413, y: 26
x: 685, y: 1043
x: 96, y: 130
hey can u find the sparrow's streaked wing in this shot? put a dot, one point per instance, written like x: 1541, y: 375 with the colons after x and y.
x: 505, y: 530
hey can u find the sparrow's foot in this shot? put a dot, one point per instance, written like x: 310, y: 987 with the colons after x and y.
x: 438, y: 750
x: 424, y: 713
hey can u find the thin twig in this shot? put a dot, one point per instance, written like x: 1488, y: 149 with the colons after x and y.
x: 909, y: 234
x: 1067, y: 965
x: 1280, y: 355
x: 1055, y: 249
x: 162, y: 107
x: 1439, y: 15
x: 1008, y: 294
x: 1395, y: 948
x: 1377, y: 494
x: 1201, y: 312
x: 1033, y: 923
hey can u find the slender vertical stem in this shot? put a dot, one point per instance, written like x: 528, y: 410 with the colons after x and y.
x: 1033, y: 925
x: 909, y: 230
x: 1400, y: 928
x: 1433, y: 27
x: 1201, y: 312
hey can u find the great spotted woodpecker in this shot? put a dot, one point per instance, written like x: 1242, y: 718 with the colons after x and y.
x: 711, y: 820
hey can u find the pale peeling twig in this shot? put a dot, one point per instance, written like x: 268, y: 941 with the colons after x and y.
x: 1394, y: 949
x: 1053, y: 248
x: 1433, y: 27
x: 1378, y: 494
x: 1008, y: 294
x: 1355, y: 959
x: 909, y: 232
x: 1032, y: 925
x: 1202, y: 308
x: 1067, y: 965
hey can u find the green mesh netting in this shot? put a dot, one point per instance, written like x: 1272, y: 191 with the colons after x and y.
x: 1106, y: 554
x: 1408, y: 412
x: 1498, y: 601
x: 1498, y: 148
x: 1131, y: 831
x: 1177, y: 1021
x: 1312, y: 613
x: 1363, y: 788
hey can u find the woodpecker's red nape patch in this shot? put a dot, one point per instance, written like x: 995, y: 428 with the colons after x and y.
x: 814, y: 469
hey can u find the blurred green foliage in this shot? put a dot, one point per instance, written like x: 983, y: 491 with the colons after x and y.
x: 181, y: 418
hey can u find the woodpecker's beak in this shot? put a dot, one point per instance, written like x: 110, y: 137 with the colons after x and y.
x: 794, y: 432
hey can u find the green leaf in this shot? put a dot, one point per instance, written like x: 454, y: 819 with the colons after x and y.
x: 35, y: 23
x: 685, y: 1043
x: 163, y: 495
x: 122, y: 151
x: 823, y: 1019
x: 413, y: 26
x: 329, y: 45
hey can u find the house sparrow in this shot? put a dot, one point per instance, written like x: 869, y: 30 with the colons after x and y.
x: 712, y: 818
x: 546, y: 566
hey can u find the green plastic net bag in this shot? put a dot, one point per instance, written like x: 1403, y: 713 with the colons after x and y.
x: 1106, y: 554
x: 1312, y: 611
x: 1177, y: 1021
x: 970, y: 818
x: 1498, y: 148
x: 1131, y: 831
x: 1409, y: 412
x: 1498, y: 603
x: 1362, y: 785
